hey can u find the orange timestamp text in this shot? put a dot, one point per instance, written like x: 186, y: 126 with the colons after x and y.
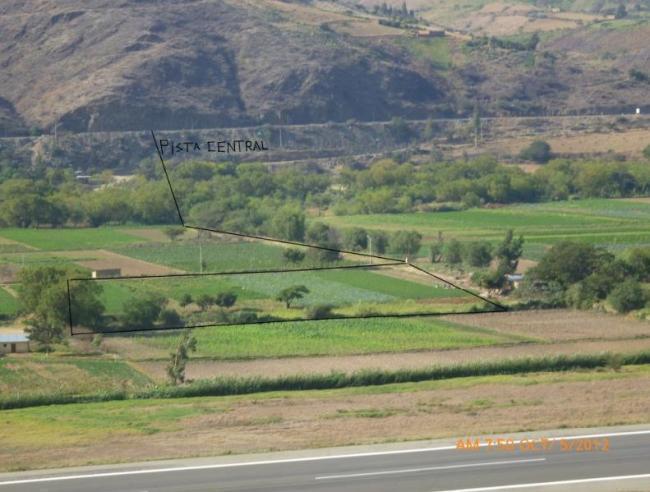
x: 532, y: 445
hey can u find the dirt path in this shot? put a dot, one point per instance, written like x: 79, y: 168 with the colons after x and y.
x: 202, y: 369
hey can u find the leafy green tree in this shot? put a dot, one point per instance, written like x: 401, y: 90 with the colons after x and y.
x: 293, y: 255
x: 180, y: 357
x: 289, y: 223
x: 43, y: 297
x: 538, y: 151
x: 291, y: 294
x: 509, y: 252
x: 380, y: 242
x: 646, y: 152
x: 355, y: 239
x: 453, y: 252
x: 186, y: 300
x: 568, y: 262
x: 400, y: 130
x: 321, y: 234
x: 142, y: 313
x: 406, y: 243
x: 627, y: 296
x: 639, y: 261
x: 478, y: 253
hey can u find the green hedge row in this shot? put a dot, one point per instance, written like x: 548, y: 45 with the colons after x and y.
x: 240, y: 386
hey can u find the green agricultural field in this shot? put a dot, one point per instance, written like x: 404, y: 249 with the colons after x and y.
x: 395, y: 287
x: 330, y: 337
x: 8, y: 303
x: 70, y: 239
x: 616, y: 224
x: 218, y: 257
x: 45, y: 375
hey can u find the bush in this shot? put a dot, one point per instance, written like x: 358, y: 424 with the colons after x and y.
x: 142, y: 313
x: 627, y: 296
x: 186, y: 300
x: 406, y: 243
x: 538, y: 151
x: 293, y: 255
x: 320, y: 311
x: 170, y: 318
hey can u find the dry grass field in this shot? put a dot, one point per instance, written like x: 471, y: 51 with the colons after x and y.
x: 559, y: 325
x: 70, y: 435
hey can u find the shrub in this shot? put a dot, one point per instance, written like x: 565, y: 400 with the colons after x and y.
x: 320, y: 311
x: 170, y: 318
x: 293, y: 255
x: 186, y: 300
x: 453, y: 252
x: 627, y: 296
x: 538, y: 151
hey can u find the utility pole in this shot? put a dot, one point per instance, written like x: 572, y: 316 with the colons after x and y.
x: 370, y: 247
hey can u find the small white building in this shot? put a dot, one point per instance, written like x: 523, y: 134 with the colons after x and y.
x: 107, y: 273
x: 515, y: 279
x: 15, y: 343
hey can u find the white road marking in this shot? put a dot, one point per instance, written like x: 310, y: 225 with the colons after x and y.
x: 287, y: 460
x: 550, y: 484
x: 429, y: 468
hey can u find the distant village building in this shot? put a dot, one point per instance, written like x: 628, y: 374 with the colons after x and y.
x: 107, y: 273
x: 14, y: 344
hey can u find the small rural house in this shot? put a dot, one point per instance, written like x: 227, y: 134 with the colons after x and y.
x: 515, y: 279
x: 14, y: 343
x: 107, y: 273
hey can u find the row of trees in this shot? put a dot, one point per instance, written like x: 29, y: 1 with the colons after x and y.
x: 251, y: 198
x: 585, y: 276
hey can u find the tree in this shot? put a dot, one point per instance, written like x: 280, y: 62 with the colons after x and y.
x: 400, y: 130
x: 289, y: 223
x: 509, y: 252
x: 323, y: 235
x: 639, y: 261
x: 627, y: 296
x: 568, y: 262
x: 355, y: 239
x: 406, y: 243
x: 539, y: 151
x: 186, y: 300
x: 293, y: 255
x: 43, y: 297
x: 179, y: 358
x: 142, y: 313
x: 621, y: 11
x: 204, y: 301
x: 173, y: 232
x: 478, y: 253
x: 453, y: 252
x: 291, y: 294
x: 379, y: 241
x: 225, y: 299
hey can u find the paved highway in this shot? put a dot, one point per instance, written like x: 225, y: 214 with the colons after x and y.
x: 550, y: 462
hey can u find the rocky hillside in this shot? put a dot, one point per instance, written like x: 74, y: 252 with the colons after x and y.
x: 134, y: 64
x: 106, y: 65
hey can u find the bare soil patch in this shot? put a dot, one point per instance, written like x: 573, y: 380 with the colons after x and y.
x: 337, y: 418
x: 558, y: 324
x: 207, y: 369
x: 102, y: 259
